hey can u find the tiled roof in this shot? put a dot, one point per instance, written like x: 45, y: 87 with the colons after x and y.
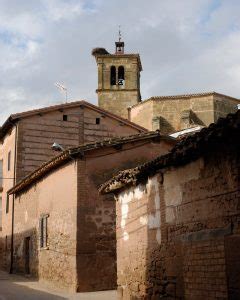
x: 186, y: 96
x: 15, y: 117
x: 79, y: 152
x: 226, y: 130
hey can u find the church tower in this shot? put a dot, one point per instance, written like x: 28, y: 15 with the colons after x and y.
x: 118, y: 79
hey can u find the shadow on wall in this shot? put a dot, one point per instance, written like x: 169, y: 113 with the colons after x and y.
x: 198, y: 253
x: 96, y: 237
x: 25, y: 255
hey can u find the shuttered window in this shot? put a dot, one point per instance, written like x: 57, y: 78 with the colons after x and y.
x: 43, y: 234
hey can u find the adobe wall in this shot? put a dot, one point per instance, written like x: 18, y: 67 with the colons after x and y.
x: 178, y: 235
x: 8, y: 144
x: 96, y: 246
x: 54, y: 195
x: 107, y: 128
x: 37, y: 133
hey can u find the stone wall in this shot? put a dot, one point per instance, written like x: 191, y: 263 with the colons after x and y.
x: 117, y: 98
x: 175, y: 234
x: 201, y: 110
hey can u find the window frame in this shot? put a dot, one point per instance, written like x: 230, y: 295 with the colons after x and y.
x: 43, y: 231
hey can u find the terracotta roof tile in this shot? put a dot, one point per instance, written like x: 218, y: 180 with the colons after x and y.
x: 80, y: 151
x: 15, y: 117
x: 186, y: 150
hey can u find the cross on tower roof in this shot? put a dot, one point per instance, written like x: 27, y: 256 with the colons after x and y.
x: 119, y: 44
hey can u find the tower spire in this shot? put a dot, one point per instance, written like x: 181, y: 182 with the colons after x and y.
x: 120, y: 43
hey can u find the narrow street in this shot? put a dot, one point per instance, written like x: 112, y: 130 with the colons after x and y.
x: 17, y: 287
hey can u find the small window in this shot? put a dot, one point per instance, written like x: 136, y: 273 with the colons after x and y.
x: 97, y: 121
x: 9, y: 161
x: 113, y: 75
x: 43, y: 236
x: 7, y: 204
x: 65, y: 117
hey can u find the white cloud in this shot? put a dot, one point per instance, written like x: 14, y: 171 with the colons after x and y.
x: 185, y: 46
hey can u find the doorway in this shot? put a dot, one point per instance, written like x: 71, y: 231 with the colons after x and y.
x: 27, y: 255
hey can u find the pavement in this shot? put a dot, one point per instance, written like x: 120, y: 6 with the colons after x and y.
x: 18, y: 287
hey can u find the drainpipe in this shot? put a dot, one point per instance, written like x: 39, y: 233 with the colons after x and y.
x: 13, y: 200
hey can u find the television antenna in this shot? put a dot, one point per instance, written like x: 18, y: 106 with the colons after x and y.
x: 63, y: 89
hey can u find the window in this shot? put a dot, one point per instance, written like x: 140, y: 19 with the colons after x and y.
x: 97, y: 121
x: 43, y: 231
x: 121, y: 74
x: 7, y: 204
x: 65, y: 117
x: 113, y: 75
x: 9, y: 161
x: 1, y: 173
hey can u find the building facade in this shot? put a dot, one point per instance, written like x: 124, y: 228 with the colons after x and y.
x: 170, y: 114
x: 27, y: 139
x: 119, y: 92
x: 64, y: 231
x: 178, y: 233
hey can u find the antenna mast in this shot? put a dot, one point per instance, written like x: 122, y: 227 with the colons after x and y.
x: 62, y: 89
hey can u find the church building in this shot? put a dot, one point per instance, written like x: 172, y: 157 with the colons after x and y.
x: 119, y: 92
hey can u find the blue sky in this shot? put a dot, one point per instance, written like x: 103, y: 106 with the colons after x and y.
x: 186, y: 46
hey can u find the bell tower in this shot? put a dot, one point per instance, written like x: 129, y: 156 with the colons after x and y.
x: 118, y: 79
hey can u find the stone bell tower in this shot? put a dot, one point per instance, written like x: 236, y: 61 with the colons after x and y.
x: 118, y: 79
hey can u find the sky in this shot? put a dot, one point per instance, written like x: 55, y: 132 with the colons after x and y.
x: 186, y: 46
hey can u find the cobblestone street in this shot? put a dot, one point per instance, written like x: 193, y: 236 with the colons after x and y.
x: 17, y: 287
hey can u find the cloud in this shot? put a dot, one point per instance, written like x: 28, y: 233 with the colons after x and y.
x: 185, y: 46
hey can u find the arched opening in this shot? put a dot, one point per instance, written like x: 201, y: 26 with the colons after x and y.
x: 113, y: 75
x: 121, y: 75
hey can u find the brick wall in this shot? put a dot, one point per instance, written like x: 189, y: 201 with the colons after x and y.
x: 176, y: 233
